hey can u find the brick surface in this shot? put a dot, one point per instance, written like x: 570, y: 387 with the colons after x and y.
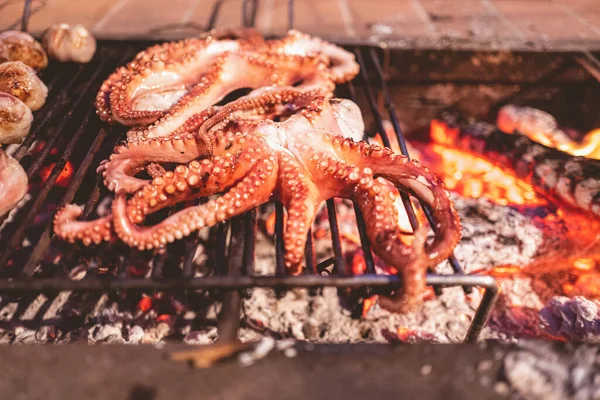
x: 587, y: 11
x: 473, y: 21
x: 542, y: 20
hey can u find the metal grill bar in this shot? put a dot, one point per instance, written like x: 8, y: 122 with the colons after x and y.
x: 20, y: 232
x: 233, y: 270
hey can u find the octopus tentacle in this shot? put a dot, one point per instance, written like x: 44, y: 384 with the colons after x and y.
x: 69, y: 229
x: 343, y: 63
x: 301, y: 201
x: 198, y: 179
x: 256, y: 188
x: 411, y: 177
x: 358, y: 171
x: 134, y: 155
x: 141, y: 92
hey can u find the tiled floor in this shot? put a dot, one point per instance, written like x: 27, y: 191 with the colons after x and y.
x: 508, y: 23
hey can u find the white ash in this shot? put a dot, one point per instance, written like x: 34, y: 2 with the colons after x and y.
x: 538, y: 371
x: 492, y: 235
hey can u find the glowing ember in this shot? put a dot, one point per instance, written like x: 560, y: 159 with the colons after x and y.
x: 585, y: 264
x: 368, y: 303
x: 63, y: 179
x: 145, y: 304
x: 270, y: 223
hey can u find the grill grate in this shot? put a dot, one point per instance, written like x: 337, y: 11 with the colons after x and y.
x: 68, y: 124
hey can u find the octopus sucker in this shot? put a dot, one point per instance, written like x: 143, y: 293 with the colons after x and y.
x: 289, y: 140
x: 69, y: 229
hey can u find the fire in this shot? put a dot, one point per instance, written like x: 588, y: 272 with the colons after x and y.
x: 64, y: 179
x: 543, y: 128
x: 473, y: 176
x: 589, y: 147
x: 368, y: 303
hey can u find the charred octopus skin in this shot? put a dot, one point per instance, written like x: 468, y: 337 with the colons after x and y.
x: 20, y: 46
x: 69, y: 43
x: 15, y: 119
x: 20, y: 81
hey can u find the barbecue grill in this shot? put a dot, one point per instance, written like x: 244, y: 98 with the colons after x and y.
x: 69, y: 123
x: 72, y: 134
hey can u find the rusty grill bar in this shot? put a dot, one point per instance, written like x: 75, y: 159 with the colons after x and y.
x: 67, y: 120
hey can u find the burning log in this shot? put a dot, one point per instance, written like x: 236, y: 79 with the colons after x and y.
x: 541, y: 127
x: 571, y: 180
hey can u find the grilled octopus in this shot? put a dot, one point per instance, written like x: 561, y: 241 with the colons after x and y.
x: 288, y: 143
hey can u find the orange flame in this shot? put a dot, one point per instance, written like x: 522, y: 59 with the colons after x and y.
x: 473, y: 176
x: 368, y: 304
x: 63, y: 179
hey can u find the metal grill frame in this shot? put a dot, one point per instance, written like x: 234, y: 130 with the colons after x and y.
x: 233, y: 273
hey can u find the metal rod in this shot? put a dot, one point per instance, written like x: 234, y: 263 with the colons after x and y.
x: 364, y: 241
x: 212, y: 21
x: 309, y: 254
x: 220, y: 257
x: 240, y: 282
x: 340, y: 264
x: 290, y: 15
x: 279, y: 243
x: 229, y: 317
x: 13, y: 243
x: 482, y: 313
x: 26, y: 15
x: 191, y: 244
x: 249, y: 241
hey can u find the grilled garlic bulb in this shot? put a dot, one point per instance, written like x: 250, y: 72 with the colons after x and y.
x: 15, y: 119
x: 21, y: 81
x: 13, y: 182
x: 69, y: 43
x: 20, y: 46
